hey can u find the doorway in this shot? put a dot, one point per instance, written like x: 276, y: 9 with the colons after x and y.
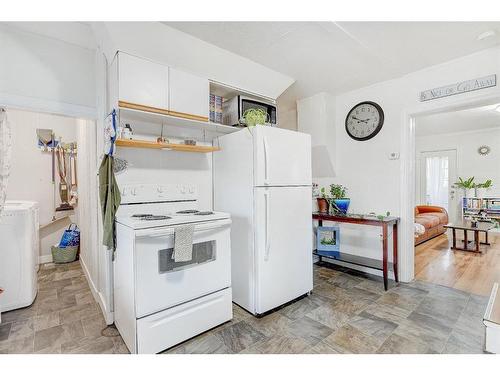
x: 59, y: 173
x: 446, y: 148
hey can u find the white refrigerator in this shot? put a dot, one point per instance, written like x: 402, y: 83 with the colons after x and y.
x: 262, y: 177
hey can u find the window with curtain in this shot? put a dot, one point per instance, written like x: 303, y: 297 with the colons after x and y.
x: 437, y: 181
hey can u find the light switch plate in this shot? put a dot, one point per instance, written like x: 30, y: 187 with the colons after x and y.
x: 394, y: 156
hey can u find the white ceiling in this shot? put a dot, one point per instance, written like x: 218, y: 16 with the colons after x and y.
x: 341, y: 56
x: 466, y: 120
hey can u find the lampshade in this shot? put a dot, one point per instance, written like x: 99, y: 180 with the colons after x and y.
x: 321, y: 162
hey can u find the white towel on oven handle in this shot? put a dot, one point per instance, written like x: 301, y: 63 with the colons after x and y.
x: 183, y: 243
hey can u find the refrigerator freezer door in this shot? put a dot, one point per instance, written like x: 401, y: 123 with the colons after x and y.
x: 282, y: 157
x: 283, y: 248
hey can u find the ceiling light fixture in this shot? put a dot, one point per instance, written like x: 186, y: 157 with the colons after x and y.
x: 486, y: 35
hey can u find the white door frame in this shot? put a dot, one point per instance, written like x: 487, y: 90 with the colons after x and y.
x: 408, y: 170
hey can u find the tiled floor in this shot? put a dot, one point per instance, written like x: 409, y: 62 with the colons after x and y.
x: 350, y: 313
x: 347, y: 313
x: 63, y: 319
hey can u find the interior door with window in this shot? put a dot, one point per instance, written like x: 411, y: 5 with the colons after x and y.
x: 438, y: 174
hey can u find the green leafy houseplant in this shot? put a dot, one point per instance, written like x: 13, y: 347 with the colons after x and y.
x: 465, y: 184
x: 254, y: 116
x: 339, y: 204
x: 338, y: 191
x: 485, y: 185
x: 482, y: 187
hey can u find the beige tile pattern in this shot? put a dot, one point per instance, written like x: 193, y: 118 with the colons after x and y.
x: 63, y: 319
x: 351, y: 313
x: 347, y: 312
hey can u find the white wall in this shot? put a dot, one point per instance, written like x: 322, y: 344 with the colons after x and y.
x: 41, y: 73
x: 168, y: 167
x: 31, y: 176
x: 287, y: 119
x: 373, y: 180
x: 316, y: 116
x: 164, y: 44
x: 88, y: 211
x: 469, y: 162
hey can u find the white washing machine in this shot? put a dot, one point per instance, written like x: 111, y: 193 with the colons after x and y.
x: 19, y: 249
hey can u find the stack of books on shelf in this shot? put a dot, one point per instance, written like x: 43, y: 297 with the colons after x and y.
x: 473, y: 206
x: 473, y: 203
x: 216, y: 108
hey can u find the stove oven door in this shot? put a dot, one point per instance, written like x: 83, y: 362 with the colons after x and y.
x: 162, y: 283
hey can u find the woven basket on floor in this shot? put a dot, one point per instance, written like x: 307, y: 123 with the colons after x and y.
x: 64, y: 254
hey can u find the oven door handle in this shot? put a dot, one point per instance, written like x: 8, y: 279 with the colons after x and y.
x: 170, y: 231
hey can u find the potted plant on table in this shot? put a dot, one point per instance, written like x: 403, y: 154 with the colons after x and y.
x: 482, y: 187
x: 468, y: 186
x: 338, y: 201
x: 323, y: 201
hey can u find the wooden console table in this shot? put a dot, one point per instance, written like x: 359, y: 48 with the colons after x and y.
x: 363, y: 261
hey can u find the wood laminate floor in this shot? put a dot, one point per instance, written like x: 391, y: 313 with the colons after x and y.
x: 472, y: 272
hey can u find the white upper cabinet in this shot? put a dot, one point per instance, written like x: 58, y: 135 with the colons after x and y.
x: 142, y: 81
x: 188, y: 94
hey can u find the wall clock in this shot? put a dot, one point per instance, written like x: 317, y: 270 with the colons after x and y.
x: 364, y: 121
x: 484, y: 150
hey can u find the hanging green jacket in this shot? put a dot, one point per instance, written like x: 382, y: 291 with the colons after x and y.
x: 109, y: 195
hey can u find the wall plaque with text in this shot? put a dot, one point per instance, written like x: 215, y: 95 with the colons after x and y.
x: 459, y: 88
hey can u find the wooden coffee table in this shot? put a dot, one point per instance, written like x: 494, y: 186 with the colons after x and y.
x: 466, y: 226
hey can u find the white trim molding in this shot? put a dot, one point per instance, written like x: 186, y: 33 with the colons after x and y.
x: 108, y: 316
x: 47, y: 106
x: 406, y: 253
x: 42, y: 259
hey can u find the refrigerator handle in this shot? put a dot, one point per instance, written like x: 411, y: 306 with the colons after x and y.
x: 266, y: 162
x: 268, y: 239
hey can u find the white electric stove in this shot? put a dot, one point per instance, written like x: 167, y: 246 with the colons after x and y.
x: 158, y: 302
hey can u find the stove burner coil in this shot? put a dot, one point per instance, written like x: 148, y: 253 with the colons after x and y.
x: 204, y: 213
x: 155, y: 217
x: 187, y: 212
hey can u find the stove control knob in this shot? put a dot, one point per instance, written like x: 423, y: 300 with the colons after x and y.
x: 124, y: 192
x: 160, y: 189
x: 183, y: 190
x: 134, y: 192
x: 191, y: 189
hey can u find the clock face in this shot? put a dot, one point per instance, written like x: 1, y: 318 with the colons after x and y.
x: 364, y: 121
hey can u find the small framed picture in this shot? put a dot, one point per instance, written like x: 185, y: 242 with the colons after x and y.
x: 328, y: 240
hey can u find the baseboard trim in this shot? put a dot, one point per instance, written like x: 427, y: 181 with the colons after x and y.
x: 42, y: 259
x: 108, y: 316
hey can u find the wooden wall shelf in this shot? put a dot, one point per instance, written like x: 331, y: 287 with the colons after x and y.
x: 135, y: 143
x: 164, y: 117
